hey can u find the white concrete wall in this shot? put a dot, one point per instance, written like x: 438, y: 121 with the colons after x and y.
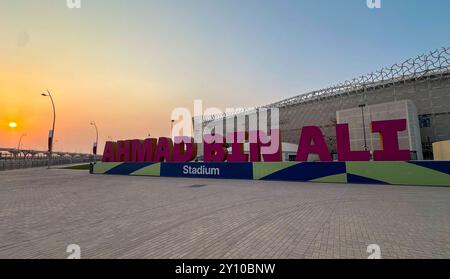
x: 405, y: 109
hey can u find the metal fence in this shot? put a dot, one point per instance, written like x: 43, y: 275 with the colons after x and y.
x: 11, y: 163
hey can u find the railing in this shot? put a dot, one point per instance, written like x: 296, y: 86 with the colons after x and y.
x: 11, y: 163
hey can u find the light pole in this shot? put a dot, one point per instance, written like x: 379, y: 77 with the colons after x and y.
x: 20, y: 141
x: 94, y: 150
x: 52, y: 132
x: 171, y: 128
x: 364, y: 126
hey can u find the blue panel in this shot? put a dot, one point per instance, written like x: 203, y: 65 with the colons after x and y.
x: 128, y: 168
x: 308, y: 171
x: 442, y: 166
x: 356, y: 179
x: 208, y: 170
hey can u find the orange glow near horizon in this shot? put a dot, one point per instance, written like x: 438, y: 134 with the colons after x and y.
x: 128, y: 79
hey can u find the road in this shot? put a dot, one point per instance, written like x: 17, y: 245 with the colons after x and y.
x: 43, y: 211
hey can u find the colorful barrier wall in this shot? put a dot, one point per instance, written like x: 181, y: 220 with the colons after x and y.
x: 424, y: 173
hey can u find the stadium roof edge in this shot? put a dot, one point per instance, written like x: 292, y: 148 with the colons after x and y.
x: 435, y: 64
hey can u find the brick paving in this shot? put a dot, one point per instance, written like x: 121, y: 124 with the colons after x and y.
x: 43, y: 211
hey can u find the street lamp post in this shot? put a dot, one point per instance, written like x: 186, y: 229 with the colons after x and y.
x: 364, y: 126
x: 171, y: 128
x: 94, y: 150
x: 52, y: 132
x: 20, y: 142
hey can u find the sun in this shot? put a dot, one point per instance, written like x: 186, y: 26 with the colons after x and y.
x: 12, y: 124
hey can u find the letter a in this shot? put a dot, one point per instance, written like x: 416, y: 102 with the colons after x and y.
x: 312, y: 134
x: 109, y: 154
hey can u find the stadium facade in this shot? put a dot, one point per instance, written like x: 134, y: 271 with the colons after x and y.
x: 423, y: 81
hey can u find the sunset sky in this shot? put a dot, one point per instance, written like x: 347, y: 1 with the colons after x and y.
x: 127, y: 63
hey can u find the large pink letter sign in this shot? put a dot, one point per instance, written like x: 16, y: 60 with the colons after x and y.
x: 311, y: 141
x: 389, y: 136
x: 343, y: 146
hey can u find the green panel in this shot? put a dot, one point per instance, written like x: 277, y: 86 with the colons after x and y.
x: 77, y: 167
x: 152, y: 170
x: 261, y: 170
x: 338, y: 178
x: 400, y: 173
x: 101, y: 168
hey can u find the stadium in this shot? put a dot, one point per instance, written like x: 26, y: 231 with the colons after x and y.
x: 417, y: 89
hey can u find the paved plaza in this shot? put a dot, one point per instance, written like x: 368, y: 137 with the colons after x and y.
x: 43, y: 211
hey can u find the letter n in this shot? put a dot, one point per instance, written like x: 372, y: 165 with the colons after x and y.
x: 237, y: 154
